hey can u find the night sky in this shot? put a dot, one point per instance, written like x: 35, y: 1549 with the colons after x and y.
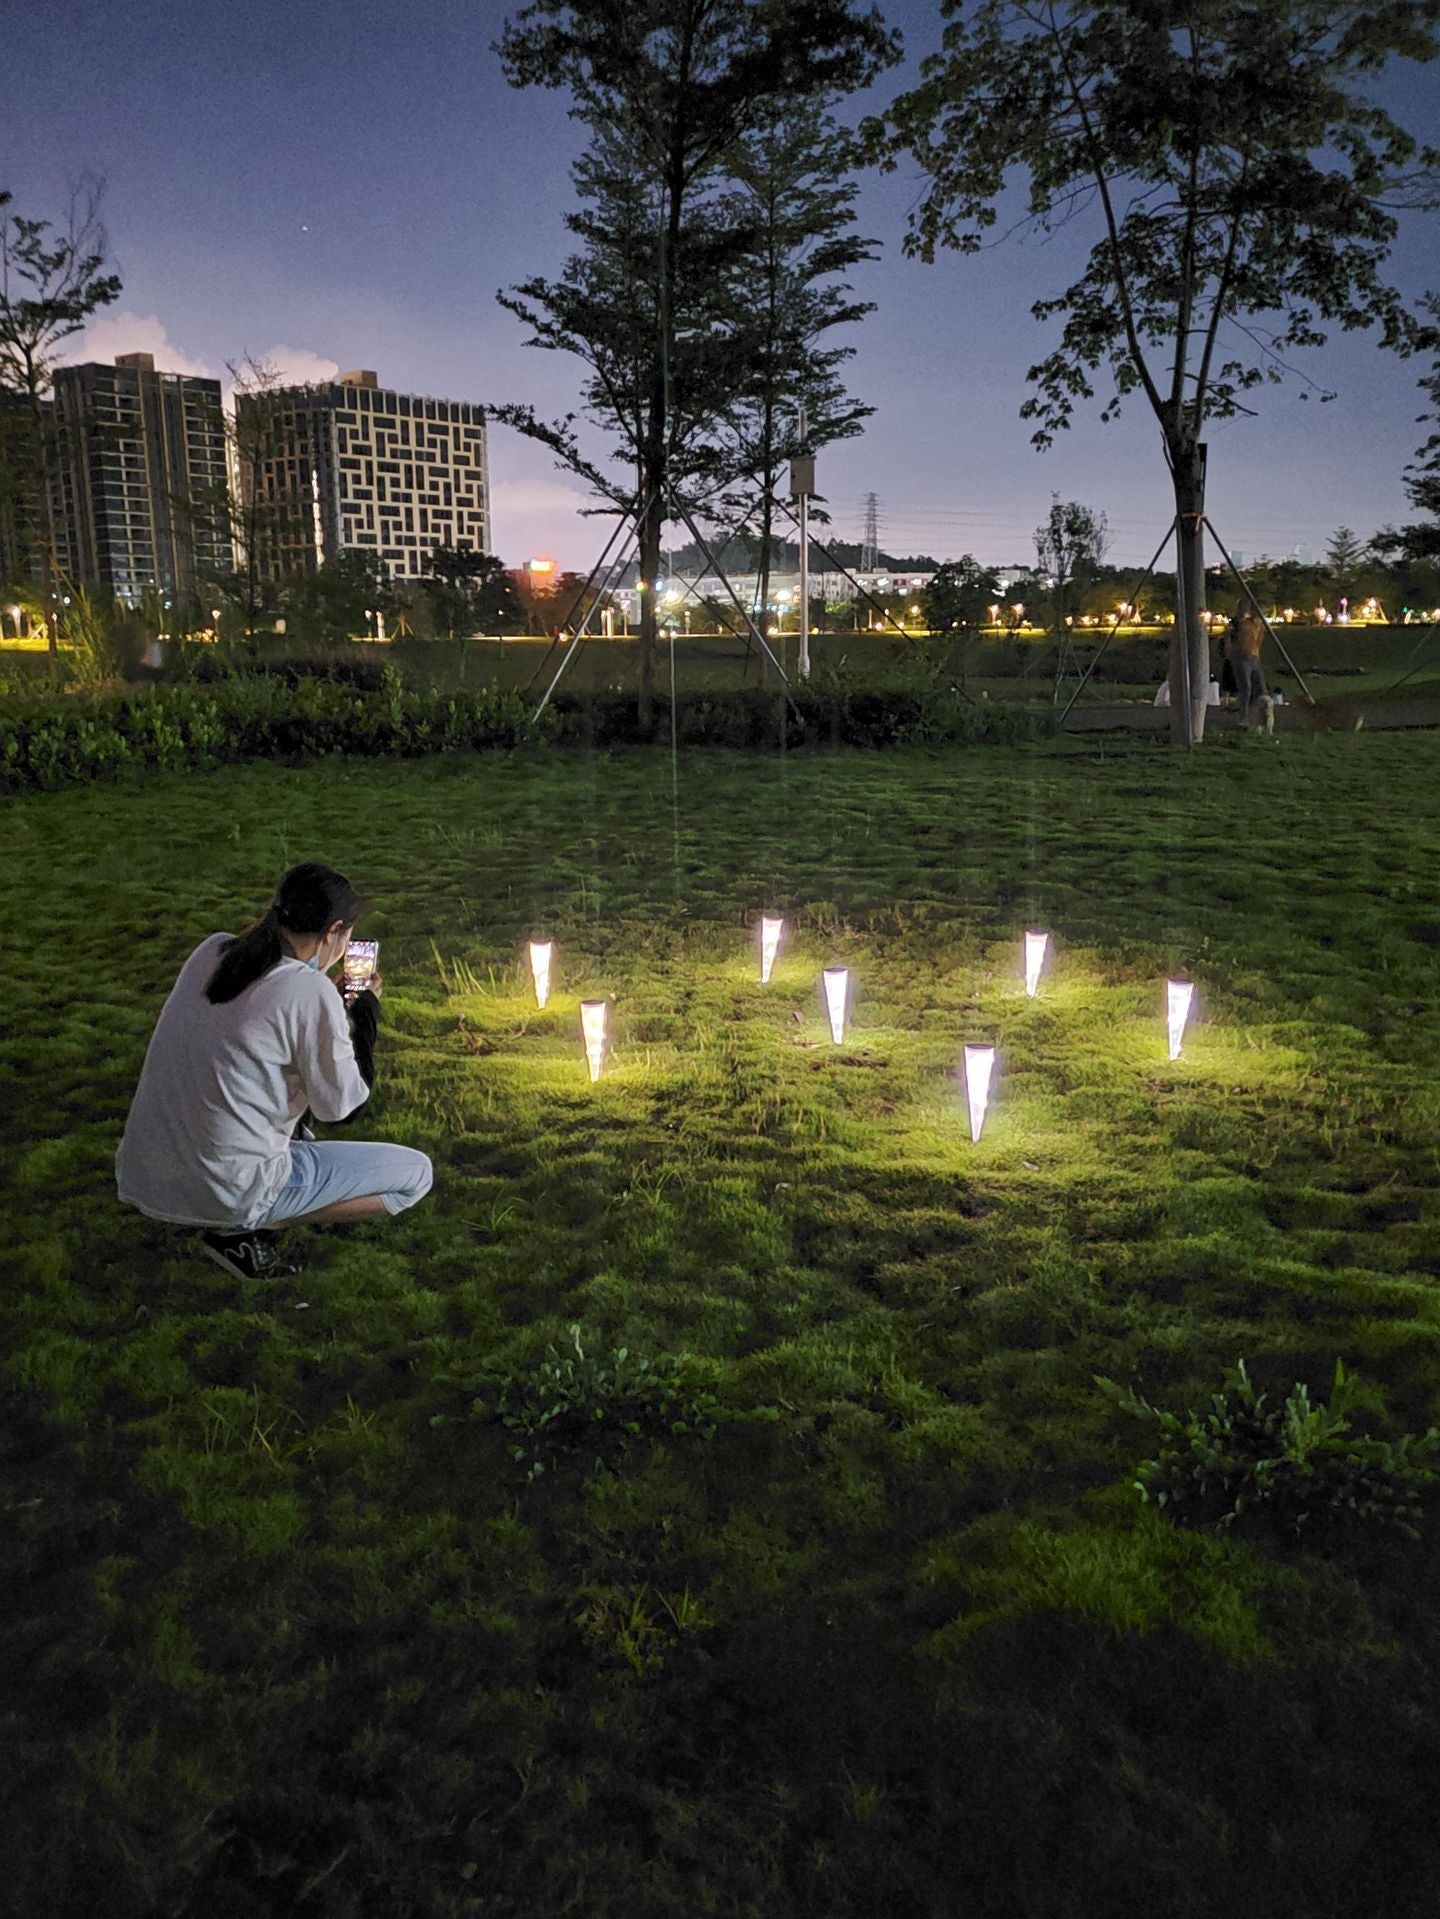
x: 345, y: 186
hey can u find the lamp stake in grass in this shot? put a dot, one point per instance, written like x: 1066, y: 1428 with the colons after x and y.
x: 770, y: 931
x: 540, y: 952
x: 837, y: 991
x: 594, y: 1020
x: 1036, y: 945
x: 979, y: 1067
x: 1178, y: 995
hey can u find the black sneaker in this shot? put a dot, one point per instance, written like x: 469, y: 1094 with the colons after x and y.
x: 254, y: 1255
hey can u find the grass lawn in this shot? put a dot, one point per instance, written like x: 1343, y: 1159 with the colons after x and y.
x: 1334, y: 661
x: 904, y: 1644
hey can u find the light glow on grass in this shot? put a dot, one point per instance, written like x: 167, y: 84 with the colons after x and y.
x: 1178, y: 995
x: 770, y: 931
x: 540, y: 954
x: 837, y: 993
x: 594, y: 1025
x: 979, y: 1068
x: 1036, y: 945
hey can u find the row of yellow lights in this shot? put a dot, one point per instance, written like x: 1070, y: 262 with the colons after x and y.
x: 979, y: 1058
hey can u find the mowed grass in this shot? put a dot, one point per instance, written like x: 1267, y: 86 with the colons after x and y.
x: 275, y: 1644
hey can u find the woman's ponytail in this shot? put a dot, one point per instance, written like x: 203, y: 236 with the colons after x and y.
x: 309, y: 899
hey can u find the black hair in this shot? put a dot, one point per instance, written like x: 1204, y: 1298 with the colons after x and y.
x: 309, y: 898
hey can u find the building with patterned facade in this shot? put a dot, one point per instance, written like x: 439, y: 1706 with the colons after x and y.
x: 138, y: 479
x: 350, y: 465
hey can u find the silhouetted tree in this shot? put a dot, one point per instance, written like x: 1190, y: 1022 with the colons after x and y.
x: 1241, y: 181
x: 667, y: 90
x: 53, y: 278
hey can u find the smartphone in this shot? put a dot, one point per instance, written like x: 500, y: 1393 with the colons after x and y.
x: 360, y: 958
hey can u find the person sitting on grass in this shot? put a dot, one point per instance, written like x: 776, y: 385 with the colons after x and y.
x: 252, y: 1035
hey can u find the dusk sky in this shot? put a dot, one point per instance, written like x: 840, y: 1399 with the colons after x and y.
x: 337, y: 186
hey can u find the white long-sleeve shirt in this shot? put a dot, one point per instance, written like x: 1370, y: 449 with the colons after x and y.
x: 207, y: 1140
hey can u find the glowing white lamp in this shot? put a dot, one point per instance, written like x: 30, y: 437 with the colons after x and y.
x: 540, y: 952
x: 1036, y: 945
x: 770, y: 931
x: 979, y: 1066
x: 1178, y: 995
x: 837, y: 989
x: 594, y: 1018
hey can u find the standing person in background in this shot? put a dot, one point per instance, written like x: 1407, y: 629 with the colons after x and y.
x: 1243, y: 644
x: 252, y: 1035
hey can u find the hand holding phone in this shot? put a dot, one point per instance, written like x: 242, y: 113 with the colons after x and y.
x: 360, y: 971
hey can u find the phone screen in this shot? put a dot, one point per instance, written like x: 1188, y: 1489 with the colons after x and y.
x: 360, y: 958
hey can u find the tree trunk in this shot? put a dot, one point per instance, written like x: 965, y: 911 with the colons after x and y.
x: 1189, y: 644
x: 652, y: 528
x: 45, y: 467
x: 762, y: 580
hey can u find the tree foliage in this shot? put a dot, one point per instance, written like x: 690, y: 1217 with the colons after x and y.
x: 53, y: 279
x: 1420, y: 540
x: 1344, y: 553
x: 470, y: 592
x: 794, y: 200
x: 669, y: 91
x: 338, y: 602
x: 960, y: 594
x: 1239, y: 181
x: 1069, y: 545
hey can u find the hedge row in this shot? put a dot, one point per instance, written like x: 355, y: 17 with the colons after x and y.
x: 55, y: 743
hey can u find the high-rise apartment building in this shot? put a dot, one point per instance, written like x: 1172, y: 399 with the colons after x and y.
x: 139, y: 479
x: 348, y: 465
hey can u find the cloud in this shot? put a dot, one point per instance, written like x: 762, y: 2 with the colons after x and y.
x: 544, y: 516
x: 115, y: 333
x: 297, y: 365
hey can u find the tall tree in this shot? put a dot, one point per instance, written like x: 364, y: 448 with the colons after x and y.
x: 1420, y: 541
x: 1070, y: 544
x: 959, y: 595
x: 794, y: 197
x: 1240, y: 181
x: 53, y: 278
x: 470, y: 592
x: 340, y: 600
x: 1344, y: 553
x: 666, y: 88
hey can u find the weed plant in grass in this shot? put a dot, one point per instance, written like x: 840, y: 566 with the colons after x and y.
x: 276, y: 1643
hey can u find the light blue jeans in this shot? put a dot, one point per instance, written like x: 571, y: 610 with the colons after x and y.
x: 1249, y: 684
x: 324, y: 1172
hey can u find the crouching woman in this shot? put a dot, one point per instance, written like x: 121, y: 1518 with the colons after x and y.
x: 252, y: 1035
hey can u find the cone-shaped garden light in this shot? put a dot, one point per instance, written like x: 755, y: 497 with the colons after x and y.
x: 837, y: 990
x: 1178, y: 995
x: 770, y: 931
x: 540, y: 952
x: 594, y: 1019
x: 979, y: 1067
x: 1036, y: 945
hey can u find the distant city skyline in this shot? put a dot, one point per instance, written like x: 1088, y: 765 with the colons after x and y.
x: 329, y: 189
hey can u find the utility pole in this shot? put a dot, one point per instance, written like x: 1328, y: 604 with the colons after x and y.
x: 802, y: 485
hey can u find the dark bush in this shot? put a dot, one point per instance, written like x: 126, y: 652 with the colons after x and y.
x: 57, y: 742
